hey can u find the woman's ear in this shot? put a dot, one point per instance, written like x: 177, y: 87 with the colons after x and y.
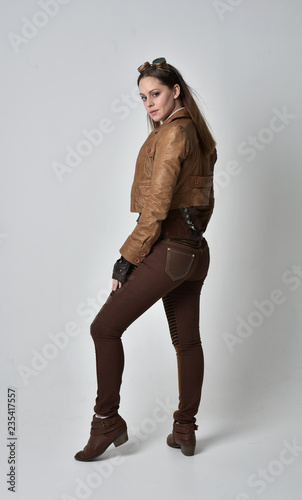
x: 176, y: 91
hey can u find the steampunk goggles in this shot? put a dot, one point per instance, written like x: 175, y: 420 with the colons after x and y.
x: 159, y: 63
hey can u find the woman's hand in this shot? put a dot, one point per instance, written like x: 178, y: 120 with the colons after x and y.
x: 121, y: 270
x: 116, y: 284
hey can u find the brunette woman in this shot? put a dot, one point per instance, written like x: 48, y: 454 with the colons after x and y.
x: 165, y: 257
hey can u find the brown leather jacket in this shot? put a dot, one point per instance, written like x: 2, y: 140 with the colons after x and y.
x: 171, y: 173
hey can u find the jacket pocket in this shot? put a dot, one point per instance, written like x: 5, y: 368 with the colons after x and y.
x: 178, y: 264
x: 195, y: 190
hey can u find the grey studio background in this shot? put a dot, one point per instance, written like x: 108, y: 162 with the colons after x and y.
x: 71, y: 128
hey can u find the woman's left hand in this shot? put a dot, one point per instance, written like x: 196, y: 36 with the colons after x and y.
x: 121, y: 270
x: 116, y: 284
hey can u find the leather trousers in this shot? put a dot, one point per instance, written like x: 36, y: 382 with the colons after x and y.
x: 173, y: 272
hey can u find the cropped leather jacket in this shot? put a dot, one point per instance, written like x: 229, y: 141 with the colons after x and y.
x: 172, y: 187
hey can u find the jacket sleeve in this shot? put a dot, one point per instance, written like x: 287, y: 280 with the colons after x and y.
x: 172, y: 148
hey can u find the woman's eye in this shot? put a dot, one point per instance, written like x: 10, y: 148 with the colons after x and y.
x: 155, y: 94
x: 143, y: 98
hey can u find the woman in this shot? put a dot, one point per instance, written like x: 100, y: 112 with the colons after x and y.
x: 166, y: 255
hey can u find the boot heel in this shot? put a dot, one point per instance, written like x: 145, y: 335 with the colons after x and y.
x: 188, y: 451
x: 121, y: 439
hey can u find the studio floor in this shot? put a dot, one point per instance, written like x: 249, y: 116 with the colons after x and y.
x: 234, y: 460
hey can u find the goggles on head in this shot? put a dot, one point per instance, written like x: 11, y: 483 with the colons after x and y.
x: 159, y: 63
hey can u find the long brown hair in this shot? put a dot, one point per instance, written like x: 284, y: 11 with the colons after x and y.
x: 170, y: 78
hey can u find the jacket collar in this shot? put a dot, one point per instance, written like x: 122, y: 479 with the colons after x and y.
x: 182, y: 113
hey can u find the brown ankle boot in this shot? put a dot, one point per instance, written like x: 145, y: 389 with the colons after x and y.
x: 183, y: 437
x: 104, y: 432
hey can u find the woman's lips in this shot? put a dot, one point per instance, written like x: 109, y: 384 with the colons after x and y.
x: 153, y: 112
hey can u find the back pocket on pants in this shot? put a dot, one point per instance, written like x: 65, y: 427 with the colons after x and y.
x: 178, y: 264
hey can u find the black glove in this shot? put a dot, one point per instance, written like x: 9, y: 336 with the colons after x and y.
x: 121, y: 270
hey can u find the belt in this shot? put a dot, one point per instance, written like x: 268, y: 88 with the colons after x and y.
x: 188, y: 243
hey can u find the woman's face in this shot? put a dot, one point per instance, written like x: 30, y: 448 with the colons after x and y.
x: 159, y: 100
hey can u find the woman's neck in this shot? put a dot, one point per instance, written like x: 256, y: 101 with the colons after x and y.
x: 175, y: 111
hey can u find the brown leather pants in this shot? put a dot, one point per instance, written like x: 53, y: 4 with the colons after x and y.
x: 175, y: 273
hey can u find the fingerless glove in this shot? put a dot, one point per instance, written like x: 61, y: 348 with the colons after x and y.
x: 121, y: 270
